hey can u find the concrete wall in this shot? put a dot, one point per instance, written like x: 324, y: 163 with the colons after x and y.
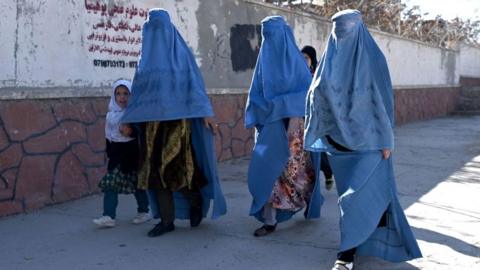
x: 417, y: 64
x: 58, y: 59
x: 469, y: 61
x: 63, y: 43
x: 85, y: 45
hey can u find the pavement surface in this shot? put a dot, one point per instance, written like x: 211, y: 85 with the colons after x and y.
x: 438, y: 176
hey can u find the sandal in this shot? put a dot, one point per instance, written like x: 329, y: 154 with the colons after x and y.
x: 264, y: 230
x: 341, y: 265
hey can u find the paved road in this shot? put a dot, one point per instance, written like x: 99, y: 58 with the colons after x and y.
x: 438, y: 175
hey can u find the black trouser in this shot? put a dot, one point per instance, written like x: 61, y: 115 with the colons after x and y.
x: 325, y: 166
x: 166, y: 204
x: 165, y: 201
x: 348, y: 255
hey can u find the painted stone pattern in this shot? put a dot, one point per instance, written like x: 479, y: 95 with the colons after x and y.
x: 424, y: 103
x: 52, y: 151
x: 48, y: 151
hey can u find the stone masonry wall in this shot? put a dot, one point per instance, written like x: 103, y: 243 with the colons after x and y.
x: 52, y: 150
x: 233, y: 139
x: 424, y: 103
x: 466, y: 81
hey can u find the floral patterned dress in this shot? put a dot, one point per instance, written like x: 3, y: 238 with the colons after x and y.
x: 294, y: 187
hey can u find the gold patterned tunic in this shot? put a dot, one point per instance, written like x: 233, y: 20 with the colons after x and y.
x: 167, y: 156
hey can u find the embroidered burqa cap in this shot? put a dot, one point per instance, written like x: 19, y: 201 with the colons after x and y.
x: 281, y: 77
x: 167, y: 84
x: 351, y: 97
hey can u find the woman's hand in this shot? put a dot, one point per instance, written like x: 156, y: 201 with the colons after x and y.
x: 211, y: 124
x: 386, y: 153
x: 125, y: 130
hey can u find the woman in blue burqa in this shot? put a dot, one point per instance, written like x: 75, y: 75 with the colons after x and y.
x: 281, y: 175
x: 350, y: 114
x: 170, y: 104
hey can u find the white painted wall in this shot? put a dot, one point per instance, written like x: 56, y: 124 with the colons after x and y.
x: 54, y: 45
x: 411, y: 63
x: 414, y: 63
x: 8, y: 26
x: 470, y: 61
x: 310, y: 31
x: 47, y: 44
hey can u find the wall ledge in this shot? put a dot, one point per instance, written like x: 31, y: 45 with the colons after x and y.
x: 22, y: 93
x: 427, y: 86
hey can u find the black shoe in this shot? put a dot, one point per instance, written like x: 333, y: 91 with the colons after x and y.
x: 161, y: 228
x: 196, y: 210
x: 264, y: 230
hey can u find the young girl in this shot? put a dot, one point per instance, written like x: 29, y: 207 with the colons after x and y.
x: 122, y: 152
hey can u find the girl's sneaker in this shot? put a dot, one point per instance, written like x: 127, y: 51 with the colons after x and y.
x: 141, y: 218
x: 105, y: 222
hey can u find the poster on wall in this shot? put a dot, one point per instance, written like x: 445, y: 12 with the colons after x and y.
x: 114, y: 37
x: 81, y: 43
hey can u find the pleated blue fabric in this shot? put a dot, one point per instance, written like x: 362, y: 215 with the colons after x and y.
x: 204, y: 150
x: 351, y: 97
x: 366, y: 188
x: 167, y: 84
x: 351, y: 101
x: 278, y: 90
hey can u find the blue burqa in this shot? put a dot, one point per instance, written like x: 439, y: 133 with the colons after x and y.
x: 168, y: 86
x: 278, y: 90
x: 351, y: 100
